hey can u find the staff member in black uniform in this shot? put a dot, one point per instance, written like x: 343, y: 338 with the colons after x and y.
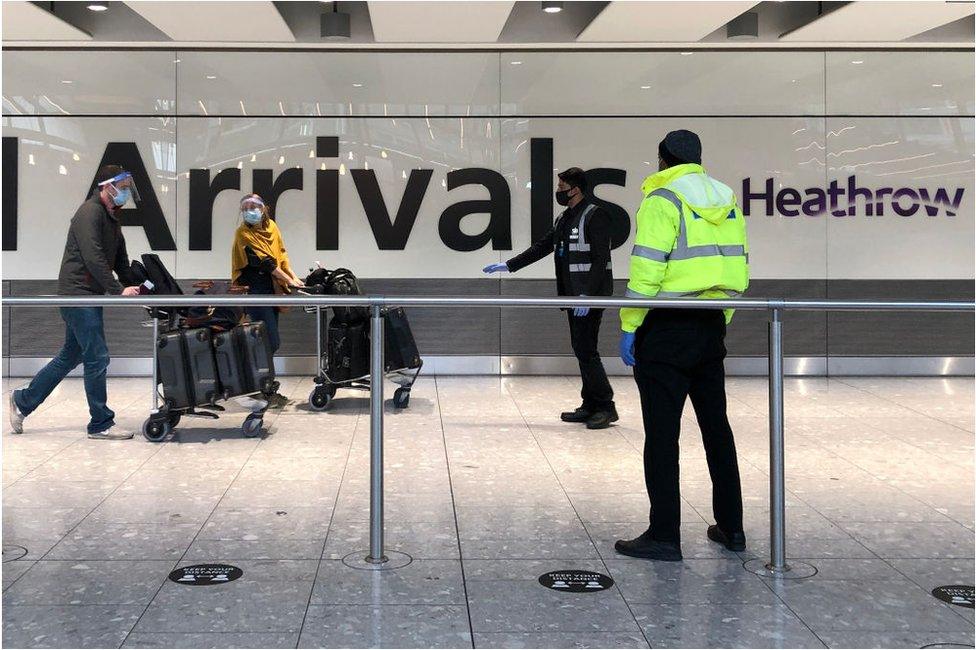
x: 580, y: 237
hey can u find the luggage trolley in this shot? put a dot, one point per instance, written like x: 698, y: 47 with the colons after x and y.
x: 326, y: 385
x: 402, y: 360
x: 214, y: 358
x: 165, y: 415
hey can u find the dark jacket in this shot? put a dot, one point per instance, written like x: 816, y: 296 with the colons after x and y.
x: 256, y: 276
x: 561, y: 238
x: 95, y: 247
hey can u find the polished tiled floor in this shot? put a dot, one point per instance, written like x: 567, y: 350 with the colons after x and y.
x: 486, y: 490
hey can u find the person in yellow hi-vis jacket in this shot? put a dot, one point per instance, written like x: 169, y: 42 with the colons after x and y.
x: 690, y: 242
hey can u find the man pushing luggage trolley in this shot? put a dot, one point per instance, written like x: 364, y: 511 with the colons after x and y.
x: 94, y: 249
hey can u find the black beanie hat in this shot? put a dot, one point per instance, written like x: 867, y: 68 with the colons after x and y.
x: 680, y: 147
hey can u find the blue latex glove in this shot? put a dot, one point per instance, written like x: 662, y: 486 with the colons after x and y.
x: 627, y: 348
x: 579, y: 312
x: 495, y: 268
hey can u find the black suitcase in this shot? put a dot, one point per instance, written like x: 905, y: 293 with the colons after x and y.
x: 244, y: 361
x: 230, y: 362
x: 348, y: 352
x: 171, y: 366
x: 255, y: 346
x: 187, y: 371
x: 400, y: 348
x: 202, y: 369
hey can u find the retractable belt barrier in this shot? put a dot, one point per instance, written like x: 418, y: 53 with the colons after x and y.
x: 777, y: 565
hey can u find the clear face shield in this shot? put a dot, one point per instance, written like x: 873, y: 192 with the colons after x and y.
x: 122, y: 189
x: 252, y: 210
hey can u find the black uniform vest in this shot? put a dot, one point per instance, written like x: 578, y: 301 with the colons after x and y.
x: 576, y: 259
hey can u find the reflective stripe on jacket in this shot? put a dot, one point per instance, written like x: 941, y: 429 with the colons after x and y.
x: 690, y: 242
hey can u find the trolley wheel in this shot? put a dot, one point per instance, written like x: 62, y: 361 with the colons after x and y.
x: 320, y: 398
x: 156, y: 430
x: 401, y: 397
x: 252, y: 425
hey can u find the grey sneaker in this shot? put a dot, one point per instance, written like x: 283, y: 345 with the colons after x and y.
x: 14, y: 416
x: 112, y: 433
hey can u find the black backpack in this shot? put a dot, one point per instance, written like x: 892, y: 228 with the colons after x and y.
x: 165, y: 284
x: 340, y: 282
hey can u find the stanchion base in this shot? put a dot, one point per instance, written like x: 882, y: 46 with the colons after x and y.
x: 795, y: 570
x: 361, y: 560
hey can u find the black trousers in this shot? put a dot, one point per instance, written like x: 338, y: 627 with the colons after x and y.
x: 584, y: 332
x: 680, y: 354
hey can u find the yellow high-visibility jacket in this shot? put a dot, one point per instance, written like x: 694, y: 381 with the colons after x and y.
x: 691, y: 241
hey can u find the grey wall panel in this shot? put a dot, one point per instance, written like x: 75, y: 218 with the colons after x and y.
x: 804, y: 333
x: 448, y: 331
x: 546, y: 331
x: 438, y: 331
x: 904, y: 334
x: 36, y: 331
x: 39, y: 331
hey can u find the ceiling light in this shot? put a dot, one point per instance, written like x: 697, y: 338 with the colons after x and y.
x: 687, y: 53
x: 515, y: 62
x: 645, y: 87
x: 334, y: 23
x: 857, y: 62
x: 97, y: 6
x: 551, y: 7
x: 357, y: 85
x: 936, y: 85
x: 68, y: 81
x: 210, y: 76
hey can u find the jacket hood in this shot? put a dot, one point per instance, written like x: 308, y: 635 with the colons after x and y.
x: 708, y: 198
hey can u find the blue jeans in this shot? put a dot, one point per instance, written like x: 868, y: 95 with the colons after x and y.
x: 270, y: 317
x: 84, y: 342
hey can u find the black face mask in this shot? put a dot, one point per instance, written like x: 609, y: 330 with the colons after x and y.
x: 562, y: 197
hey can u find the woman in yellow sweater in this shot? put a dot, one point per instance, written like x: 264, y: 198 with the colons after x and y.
x: 260, y: 262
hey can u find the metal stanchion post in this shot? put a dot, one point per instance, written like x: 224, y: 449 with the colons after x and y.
x: 777, y: 566
x: 155, y: 369
x: 376, y: 555
x: 777, y: 477
x: 318, y: 341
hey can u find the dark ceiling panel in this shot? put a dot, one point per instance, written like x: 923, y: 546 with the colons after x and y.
x: 117, y: 23
x: 528, y: 23
x: 775, y: 18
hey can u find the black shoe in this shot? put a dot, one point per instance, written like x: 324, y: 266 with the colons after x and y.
x: 648, y: 548
x: 733, y: 542
x: 602, y: 419
x: 579, y: 415
x: 277, y: 401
